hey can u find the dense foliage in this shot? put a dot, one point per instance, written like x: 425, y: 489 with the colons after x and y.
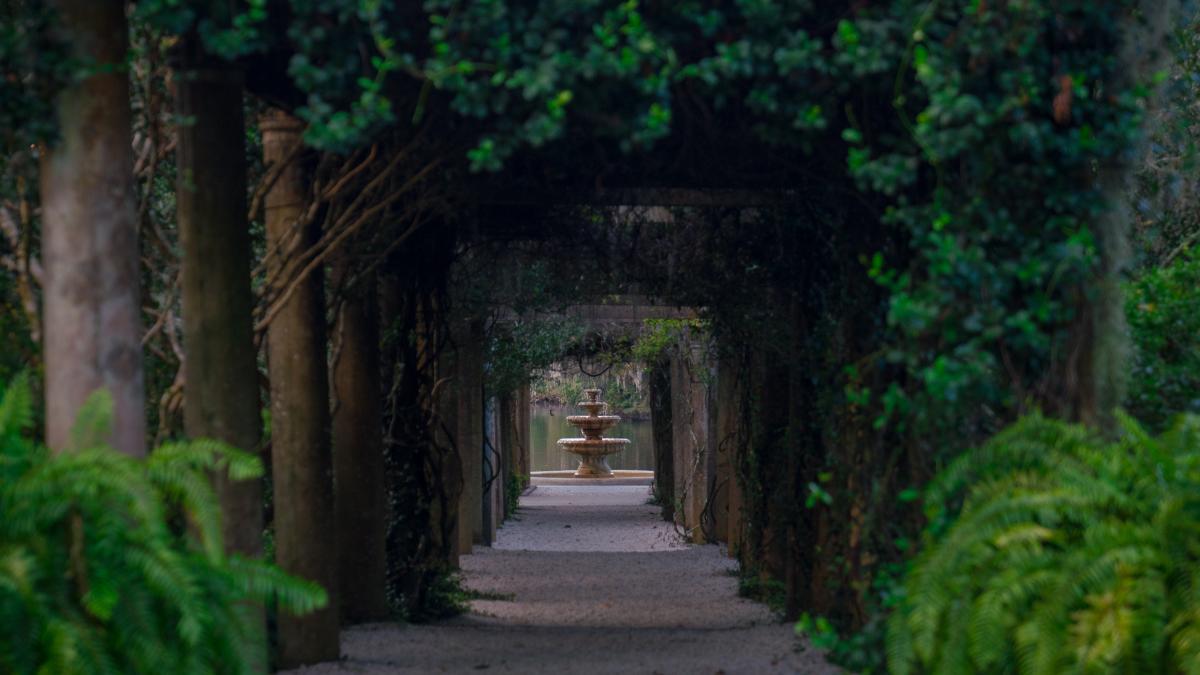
x: 110, y: 564
x: 1164, y: 315
x: 1006, y: 221
x: 1166, y: 189
x: 1051, y: 550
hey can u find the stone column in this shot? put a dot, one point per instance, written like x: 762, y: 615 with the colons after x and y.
x: 358, y: 468
x: 221, y: 398
x: 770, y: 386
x: 221, y: 395
x: 690, y: 434
x: 469, y: 378
x: 302, y: 468
x: 493, y: 472
x: 445, y: 411
x: 663, y: 431
x: 729, y: 435
x: 524, y: 419
x: 91, y: 314
x: 509, y: 437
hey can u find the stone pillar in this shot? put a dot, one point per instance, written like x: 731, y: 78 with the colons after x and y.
x: 493, y: 472
x: 358, y: 467
x: 524, y: 415
x: 509, y: 438
x: 221, y: 398
x: 663, y: 432
x: 770, y: 386
x: 469, y: 375
x: 722, y: 451
x: 302, y: 467
x: 446, y: 436
x: 690, y: 435
x: 91, y: 313
x: 729, y: 436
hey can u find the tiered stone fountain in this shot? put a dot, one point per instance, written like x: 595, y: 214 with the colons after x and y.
x: 593, y: 448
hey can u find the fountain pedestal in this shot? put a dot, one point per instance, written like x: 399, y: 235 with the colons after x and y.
x: 593, y: 448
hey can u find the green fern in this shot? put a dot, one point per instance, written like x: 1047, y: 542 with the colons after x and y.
x: 1051, y: 550
x: 110, y: 564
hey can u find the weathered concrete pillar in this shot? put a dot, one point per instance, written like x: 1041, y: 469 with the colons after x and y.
x: 722, y: 454
x: 493, y: 472
x: 221, y: 398
x: 663, y: 432
x: 91, y: 312
x: 358, y: 469
x: 524, y: 418
x: 302, y: 466
x: 221, y: 387
x: 729, y: 438
x: 770, y: 386
x: 514, y: 440
x: 446, y: 436
x: 690, y: 435
x: 469, y: 376
x: 509, y: 439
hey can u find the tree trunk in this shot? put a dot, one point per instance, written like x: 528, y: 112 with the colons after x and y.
x: 305, y: 535
x: 89, y: 236
x: 358, y: 468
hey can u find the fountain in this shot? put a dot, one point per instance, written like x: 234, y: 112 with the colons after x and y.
x: 593, y: 447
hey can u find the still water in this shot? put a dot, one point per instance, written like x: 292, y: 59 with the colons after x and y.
x: 546, y: 428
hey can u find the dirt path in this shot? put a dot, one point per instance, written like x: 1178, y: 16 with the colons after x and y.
x: 593, y: 582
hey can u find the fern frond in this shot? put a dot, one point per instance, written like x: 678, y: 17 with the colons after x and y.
x: 93, y: 422
x: 1056, y: 551
x: 97, y: 577
x: 16, y: 407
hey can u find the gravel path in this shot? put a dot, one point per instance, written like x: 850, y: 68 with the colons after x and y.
x: 593, y: 582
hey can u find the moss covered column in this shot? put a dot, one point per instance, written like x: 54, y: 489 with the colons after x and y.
x: 469, y: 376
x: 220, y: 372
x: 444, y: 398
x: 690, y: 435
x: 727, y: 506
x: 525, y: 414
x: 358, y: 469
x: 663, y: 430
x: 305, y: 535
x: 509, y: 436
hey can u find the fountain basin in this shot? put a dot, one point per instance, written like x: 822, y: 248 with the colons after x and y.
x: 627, y: 477
x: 592, y: 453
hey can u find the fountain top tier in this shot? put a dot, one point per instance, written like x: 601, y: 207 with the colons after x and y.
x: 592, y: 424
x: 593, y: 405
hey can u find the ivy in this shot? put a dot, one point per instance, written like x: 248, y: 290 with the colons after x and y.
x: 992, y: 182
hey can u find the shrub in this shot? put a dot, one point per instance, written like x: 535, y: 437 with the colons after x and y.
x: 1068, y: 553
x: 112, y: 564
x: 1163, y: 307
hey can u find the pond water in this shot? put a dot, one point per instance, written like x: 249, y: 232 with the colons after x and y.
x: 547, y: 425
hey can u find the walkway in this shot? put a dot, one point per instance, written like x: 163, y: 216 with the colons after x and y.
x: 592, y: 581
